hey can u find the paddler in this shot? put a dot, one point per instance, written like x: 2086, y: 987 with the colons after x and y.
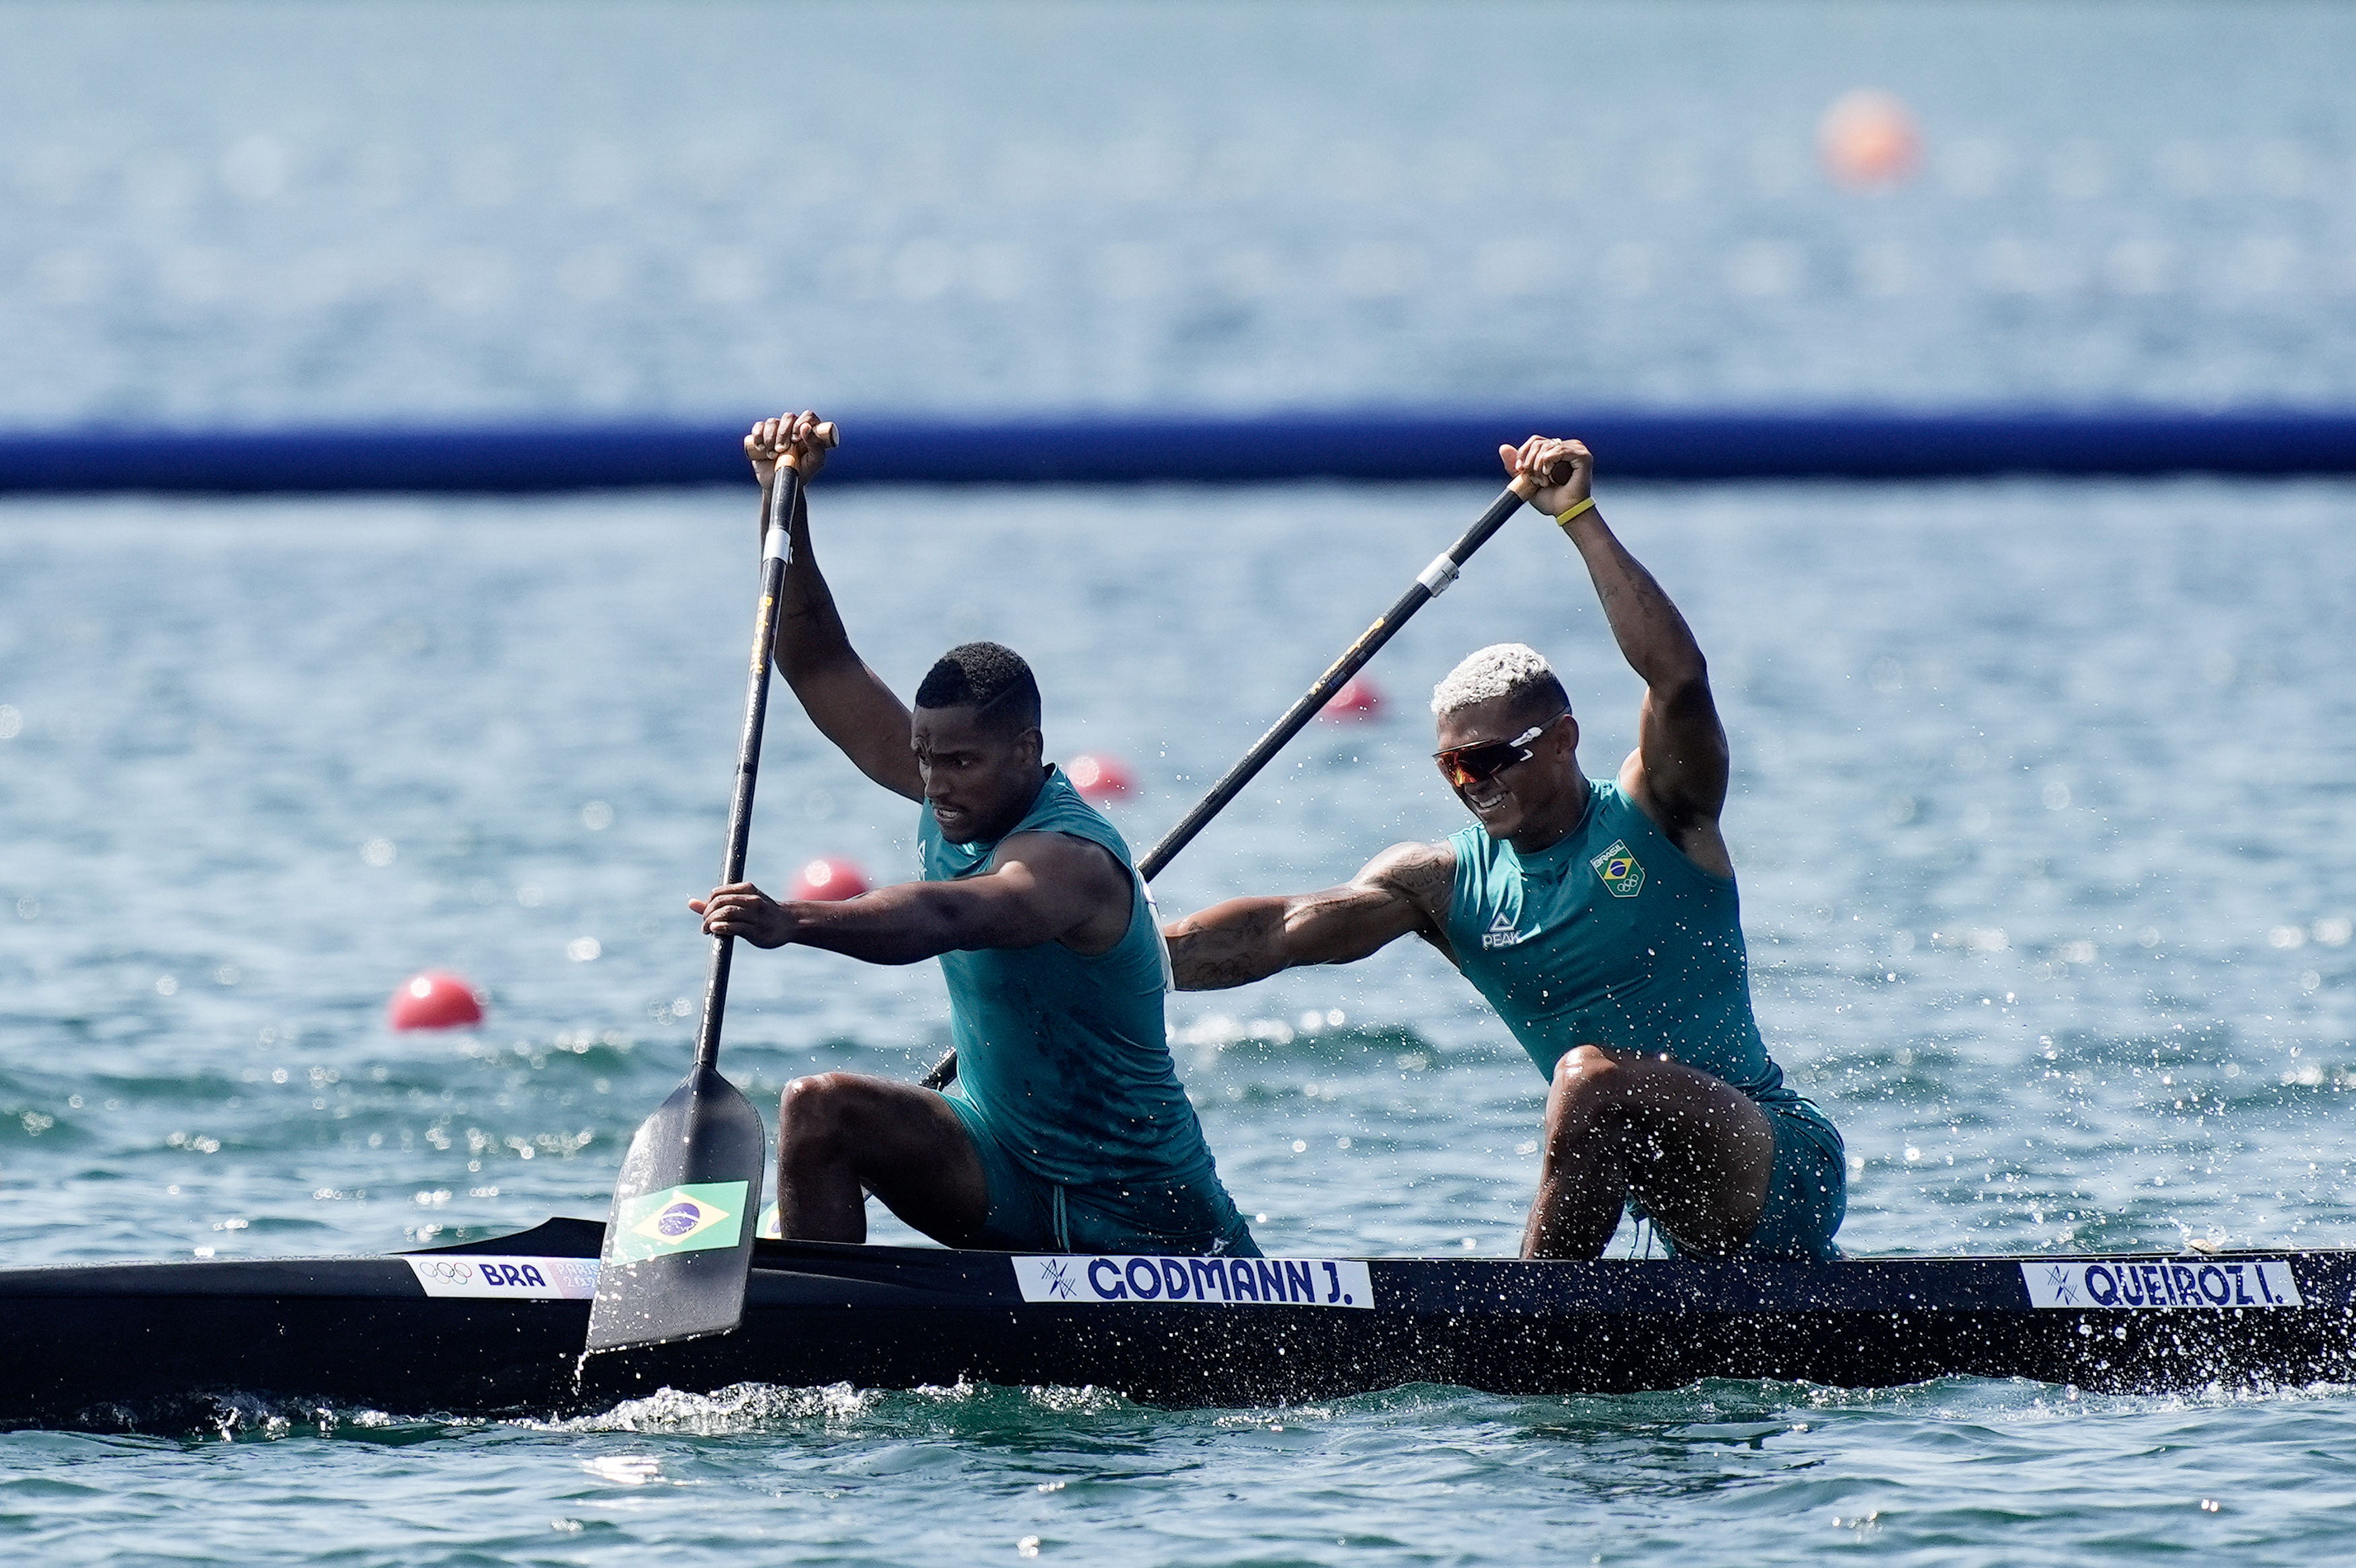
x: 1068, y: 1130
x: 1599, y: 918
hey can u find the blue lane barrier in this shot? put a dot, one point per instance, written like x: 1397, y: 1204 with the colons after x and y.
x: 1127, y: 449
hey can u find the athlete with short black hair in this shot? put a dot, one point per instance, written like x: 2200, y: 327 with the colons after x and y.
x: 1599, y: 918
x: 989, y: 677
x: 1068, y: 1130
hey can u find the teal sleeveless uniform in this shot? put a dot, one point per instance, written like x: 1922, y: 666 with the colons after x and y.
x: 1064, y: 1081
x: 1612, y: 937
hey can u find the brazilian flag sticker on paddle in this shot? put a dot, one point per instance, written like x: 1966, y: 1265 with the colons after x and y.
x: 681, y: 1219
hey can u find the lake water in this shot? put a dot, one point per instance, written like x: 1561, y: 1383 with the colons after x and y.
x: 2042, y: 807
x: 255, y: 212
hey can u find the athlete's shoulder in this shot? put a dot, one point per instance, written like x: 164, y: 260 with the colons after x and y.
x: 1698, y: 844
x: 1060, y: 807
x: 1053, y: 849
x: 1423, y: 873
x: 1617, y: 811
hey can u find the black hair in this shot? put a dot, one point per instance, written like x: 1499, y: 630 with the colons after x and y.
x: 989, y: 677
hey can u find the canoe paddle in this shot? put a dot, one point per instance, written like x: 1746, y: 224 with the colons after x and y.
x: 1430, y: 584
x: 679, y: 1244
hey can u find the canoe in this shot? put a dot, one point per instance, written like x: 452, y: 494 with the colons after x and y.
x: 495, y: 1327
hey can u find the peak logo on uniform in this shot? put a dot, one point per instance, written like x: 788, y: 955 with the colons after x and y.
x: 1619, y: 871
x: 1501, y: 934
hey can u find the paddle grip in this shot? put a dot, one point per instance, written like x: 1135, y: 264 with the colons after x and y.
x: 825, y: 434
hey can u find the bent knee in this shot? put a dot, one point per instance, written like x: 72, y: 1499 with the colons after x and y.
x: 819, y: 1103
x: 1586, y: 1069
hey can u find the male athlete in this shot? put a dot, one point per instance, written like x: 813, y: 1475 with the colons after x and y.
x: 1599, y: 919
x: 1068, y: 1130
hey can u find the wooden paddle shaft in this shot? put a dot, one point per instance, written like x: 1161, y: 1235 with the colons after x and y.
x: 784, y: 492
x: 1430, y: 584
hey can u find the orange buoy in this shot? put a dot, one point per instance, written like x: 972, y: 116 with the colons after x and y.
x: 826, y: 879
x: 1867, y: 140
x: 1359, y: 698
x: 435, y: 999
x: 1100, y: 778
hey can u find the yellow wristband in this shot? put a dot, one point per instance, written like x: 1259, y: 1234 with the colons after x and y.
x: 1562, y: 519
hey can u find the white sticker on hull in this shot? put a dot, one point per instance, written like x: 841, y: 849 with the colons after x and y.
x: 488, y: 1278
x: 2266, y: 1282
x: 1232, y: 1282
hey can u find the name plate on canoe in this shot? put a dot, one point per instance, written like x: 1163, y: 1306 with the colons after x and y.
x: 487, y: 1278
x: 1215, y: 1282
x: 2219, y: 1282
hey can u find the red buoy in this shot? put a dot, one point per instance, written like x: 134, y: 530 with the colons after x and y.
x: 1359, y: 698
x: 1100, y: 778
x: 435, y: 999
x: 826, y: 879
x: 1867, y: 140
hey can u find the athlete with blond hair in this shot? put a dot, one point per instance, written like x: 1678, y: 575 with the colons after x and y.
x: 1599, y: 918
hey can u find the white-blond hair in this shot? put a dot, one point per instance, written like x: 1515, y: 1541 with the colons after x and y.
x: 1512, y: 670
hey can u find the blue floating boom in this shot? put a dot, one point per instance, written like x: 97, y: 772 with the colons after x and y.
x: 1115, y: 449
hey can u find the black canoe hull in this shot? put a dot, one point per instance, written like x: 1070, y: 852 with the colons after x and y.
x: 159, y: 1346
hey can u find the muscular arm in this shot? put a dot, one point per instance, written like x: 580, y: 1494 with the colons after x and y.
x: 847, y: 700
x: 1679, y: 771
x: 1681, y: 755
x: 1043, y: 887
x: 1404, y: 889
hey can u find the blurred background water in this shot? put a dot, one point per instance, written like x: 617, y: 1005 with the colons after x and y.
x: 252, y: 211
x: 2042, y: 809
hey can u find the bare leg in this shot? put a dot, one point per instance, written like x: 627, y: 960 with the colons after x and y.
x: 840, y: 1136
x: 1692, y: 1147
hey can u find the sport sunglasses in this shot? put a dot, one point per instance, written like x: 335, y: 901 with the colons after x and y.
x: 1463, y: 765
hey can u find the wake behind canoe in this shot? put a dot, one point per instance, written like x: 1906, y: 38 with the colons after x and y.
x: 496, y: 1327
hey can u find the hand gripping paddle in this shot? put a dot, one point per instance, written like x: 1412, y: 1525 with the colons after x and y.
x: 679, y: 1244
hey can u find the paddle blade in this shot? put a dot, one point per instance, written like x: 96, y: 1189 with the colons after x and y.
x: 679, y: 1244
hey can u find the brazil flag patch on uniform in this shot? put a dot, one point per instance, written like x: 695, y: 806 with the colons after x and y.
x: 681, y: 1219
x: 1619, y: 871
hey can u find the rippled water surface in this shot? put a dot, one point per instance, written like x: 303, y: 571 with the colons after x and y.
x: 2040, y: 812
x: 2041, y: 803
x: 1774, y: 1472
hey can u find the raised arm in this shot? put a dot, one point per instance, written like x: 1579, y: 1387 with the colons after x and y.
x: 1677, y: 773
x: 848, y: 701
x: 1405, y: 889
